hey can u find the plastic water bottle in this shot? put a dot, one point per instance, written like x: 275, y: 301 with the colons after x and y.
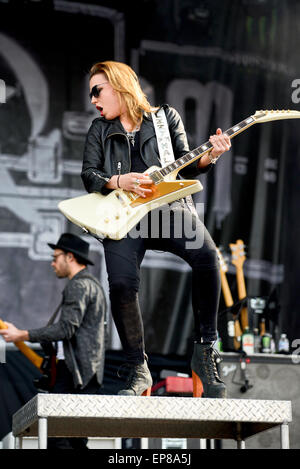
x: 284, y: 344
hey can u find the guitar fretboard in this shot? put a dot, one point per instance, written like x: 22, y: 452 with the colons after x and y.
x: 204, y: 148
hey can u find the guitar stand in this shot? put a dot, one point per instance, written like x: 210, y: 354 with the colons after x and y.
x: 245, y: 378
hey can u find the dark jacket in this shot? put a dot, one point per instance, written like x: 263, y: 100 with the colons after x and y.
x: 81, y: 326
x: 107, y: 150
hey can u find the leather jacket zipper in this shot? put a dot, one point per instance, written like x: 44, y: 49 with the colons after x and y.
x: 128, y: 143
x: 100, y: 177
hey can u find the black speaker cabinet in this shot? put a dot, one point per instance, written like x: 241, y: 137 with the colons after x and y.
x: 258, y: 376
x: 267, y: 377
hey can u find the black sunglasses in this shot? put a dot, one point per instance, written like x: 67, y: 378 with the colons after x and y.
x: 95, y: 91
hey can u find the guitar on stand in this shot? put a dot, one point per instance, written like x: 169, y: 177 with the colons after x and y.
x: 238, y: 259
x: 46, y: 365
x: 229, y: 303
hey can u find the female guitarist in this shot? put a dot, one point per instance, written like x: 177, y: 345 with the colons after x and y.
x: 120, y: 147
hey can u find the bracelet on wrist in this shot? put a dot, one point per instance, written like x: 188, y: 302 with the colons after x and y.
x: 213, y: 160
x: 118, y: 184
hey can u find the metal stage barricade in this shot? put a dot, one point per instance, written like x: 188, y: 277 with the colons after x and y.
x: 65, y: 415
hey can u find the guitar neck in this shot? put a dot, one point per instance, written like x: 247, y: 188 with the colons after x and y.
x: 226, y: 290
x: 238, y: 258
x: 35, y: 359
x: 200, y: 151
x: 229, y: 302
x: 241, y: 286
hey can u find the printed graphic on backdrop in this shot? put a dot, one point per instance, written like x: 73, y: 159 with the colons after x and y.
x: 215, y: 69
x: 44, y: 119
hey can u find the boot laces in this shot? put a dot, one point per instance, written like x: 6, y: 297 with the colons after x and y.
x: 211, y: 363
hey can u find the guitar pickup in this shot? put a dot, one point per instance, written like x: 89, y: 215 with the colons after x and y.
x: 156, y: 177
x: 126, y: 198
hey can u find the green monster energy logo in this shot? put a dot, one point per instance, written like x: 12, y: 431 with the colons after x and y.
x: 263, y: 27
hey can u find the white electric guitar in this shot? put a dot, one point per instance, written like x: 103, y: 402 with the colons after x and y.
x: 114, y: 215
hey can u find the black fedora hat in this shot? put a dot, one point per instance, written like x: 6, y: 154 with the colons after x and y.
x: 72, y: 243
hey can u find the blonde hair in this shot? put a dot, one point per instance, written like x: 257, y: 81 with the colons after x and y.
x: 125, y: 82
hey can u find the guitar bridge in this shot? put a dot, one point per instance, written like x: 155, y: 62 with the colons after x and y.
x: 123, y: 197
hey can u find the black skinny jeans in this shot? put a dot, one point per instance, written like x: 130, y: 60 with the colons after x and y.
x: 173, y: 229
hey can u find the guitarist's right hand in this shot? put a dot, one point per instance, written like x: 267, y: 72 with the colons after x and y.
x: 133, y: 182
x: 12, y: 334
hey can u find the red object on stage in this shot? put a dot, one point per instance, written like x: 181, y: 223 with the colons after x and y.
x: 173, y: 385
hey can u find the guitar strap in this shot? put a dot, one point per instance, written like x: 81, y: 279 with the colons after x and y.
x: 54, y: 315
x: 165, y: 147
x: 50, y: 350
x: 163, y: 137
x: 51, y: 321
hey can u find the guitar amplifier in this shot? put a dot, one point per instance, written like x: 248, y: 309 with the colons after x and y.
x: 257, y: 376
x: 267, y: 377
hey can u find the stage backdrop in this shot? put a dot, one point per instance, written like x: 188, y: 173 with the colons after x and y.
x: 216, y: 63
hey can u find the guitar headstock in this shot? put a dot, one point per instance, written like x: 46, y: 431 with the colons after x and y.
x: 238, y: 253
x: 271, y: 115
x: 223, y: 264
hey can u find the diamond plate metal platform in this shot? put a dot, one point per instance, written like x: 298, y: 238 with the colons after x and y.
x: 68, y: 415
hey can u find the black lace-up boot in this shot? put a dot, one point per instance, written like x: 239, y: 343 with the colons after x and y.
x: 206, y: 380
x: 139, y: 380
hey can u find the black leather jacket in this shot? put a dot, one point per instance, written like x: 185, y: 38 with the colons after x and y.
x: 80, y: 327
x: 107, y: 150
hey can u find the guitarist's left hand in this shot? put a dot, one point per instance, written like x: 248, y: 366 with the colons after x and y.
x: 221, y: 143
x: 12, y: 334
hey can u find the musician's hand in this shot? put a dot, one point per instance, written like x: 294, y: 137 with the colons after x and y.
x: 220, y: 142
x: 136, y: 182
x: 12, y: 334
